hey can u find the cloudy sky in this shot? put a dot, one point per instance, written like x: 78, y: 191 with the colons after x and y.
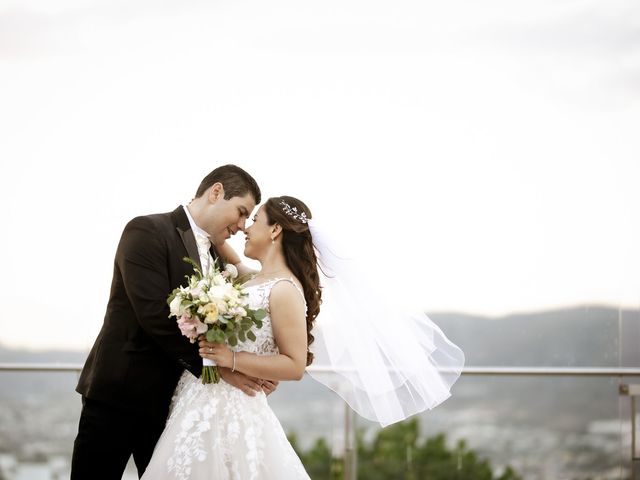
x: 486, y: 151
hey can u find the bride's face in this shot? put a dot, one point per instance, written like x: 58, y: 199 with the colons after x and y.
x: 258, y: 236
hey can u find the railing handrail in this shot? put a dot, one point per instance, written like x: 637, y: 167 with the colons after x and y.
x: 470, y: 370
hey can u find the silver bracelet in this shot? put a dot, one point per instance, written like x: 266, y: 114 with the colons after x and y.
x: 233, y: 368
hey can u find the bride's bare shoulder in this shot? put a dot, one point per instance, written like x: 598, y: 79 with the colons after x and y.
x: 288, y: 290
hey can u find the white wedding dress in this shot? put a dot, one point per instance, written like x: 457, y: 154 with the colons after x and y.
x: 216, y: 431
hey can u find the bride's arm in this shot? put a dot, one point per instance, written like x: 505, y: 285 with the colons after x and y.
x: 289, y: 325
x: 230, y: 256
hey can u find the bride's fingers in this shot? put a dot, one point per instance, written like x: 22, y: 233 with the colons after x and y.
x: 206, y: 347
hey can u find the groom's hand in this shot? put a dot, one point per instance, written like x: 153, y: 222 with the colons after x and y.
x: 269, y: 386
x: 248, y: 385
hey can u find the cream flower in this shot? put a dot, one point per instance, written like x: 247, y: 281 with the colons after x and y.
x: 209, y: 312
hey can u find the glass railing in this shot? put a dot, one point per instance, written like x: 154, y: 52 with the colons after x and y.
x: 501, y: 422
x: 538, y: 423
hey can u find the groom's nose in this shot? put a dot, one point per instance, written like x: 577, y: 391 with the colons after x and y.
x: 241, y: 223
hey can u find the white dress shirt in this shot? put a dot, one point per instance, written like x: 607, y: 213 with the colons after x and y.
x: 202, y: 241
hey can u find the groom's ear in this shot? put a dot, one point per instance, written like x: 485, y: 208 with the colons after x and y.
x: 216, y: 192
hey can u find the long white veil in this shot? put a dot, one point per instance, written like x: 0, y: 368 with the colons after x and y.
x: 385, y: 362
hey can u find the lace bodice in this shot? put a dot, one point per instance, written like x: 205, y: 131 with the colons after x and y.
x: 259, y: 298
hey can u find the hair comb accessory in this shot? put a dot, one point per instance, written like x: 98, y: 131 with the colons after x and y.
x: 293, y: 212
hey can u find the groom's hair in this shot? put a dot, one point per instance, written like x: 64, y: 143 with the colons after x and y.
x: 236, y: 183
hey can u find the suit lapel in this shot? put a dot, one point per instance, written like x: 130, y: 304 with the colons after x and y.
x: 183, y: 227
x: 186, y: 234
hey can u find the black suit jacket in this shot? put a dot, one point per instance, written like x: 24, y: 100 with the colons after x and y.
x: 139, y: 354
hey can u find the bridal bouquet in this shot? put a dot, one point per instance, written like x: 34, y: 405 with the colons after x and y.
x: 213, y: 305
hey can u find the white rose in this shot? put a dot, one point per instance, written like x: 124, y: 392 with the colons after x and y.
x: 222, y: 306
x: 175, y: 307
x: 231, y: 270
x: 217, y: 292
x: 239, y: 312
x: 232, y: 294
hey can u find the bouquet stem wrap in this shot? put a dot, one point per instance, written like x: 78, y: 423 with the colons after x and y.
x: 210, y: 373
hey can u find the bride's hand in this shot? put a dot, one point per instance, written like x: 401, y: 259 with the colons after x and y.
x: 218, y: 352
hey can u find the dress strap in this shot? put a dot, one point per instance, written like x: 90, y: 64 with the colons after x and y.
x: 289, y: 280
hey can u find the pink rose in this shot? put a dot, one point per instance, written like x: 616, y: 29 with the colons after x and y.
x: 191, y: 327
x: 200, y: 327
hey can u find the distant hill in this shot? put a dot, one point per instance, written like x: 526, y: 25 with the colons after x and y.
x: 581, y: 336
x: 593, y: 336
x: 19, y: 355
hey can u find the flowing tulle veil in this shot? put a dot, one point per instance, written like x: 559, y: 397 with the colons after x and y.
x: 386, y: 362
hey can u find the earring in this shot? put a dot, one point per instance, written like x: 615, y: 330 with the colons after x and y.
x: 273, y: 241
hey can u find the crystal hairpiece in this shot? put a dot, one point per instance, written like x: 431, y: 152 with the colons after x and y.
x: 293, y: 212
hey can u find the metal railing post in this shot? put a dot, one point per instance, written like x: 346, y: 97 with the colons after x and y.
x: 350, y: 444
x: 633, y: 392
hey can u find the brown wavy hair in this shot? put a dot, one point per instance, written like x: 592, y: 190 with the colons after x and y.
x: 236, y: 183
x: 299, y: 254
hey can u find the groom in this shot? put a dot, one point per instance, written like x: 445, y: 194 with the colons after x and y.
x: 134, y: 365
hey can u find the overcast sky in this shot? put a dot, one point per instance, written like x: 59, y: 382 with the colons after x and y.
x: 486, y: 151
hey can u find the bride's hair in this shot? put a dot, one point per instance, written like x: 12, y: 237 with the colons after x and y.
x: 292, y: 215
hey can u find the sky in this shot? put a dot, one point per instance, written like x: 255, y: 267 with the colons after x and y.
x: 482, y: 155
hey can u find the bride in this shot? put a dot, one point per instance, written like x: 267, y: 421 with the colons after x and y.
x: 215, y: 430
x: 398, y: 365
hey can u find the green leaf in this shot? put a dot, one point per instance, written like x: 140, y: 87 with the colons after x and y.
x: 211, y: 336
x: 258, y: 323
x: 194, y: 265
x: 251, y: 336
x: 233, y: 340
x: 243, y: 337
x: 259, y: 314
